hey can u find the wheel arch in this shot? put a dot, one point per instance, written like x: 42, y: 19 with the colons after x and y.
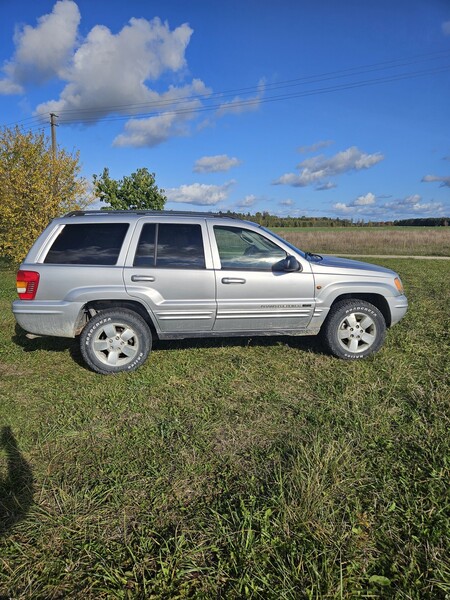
x: 378, y: 300
x: 95, y: 306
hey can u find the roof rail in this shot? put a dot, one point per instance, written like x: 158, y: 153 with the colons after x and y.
x: 167, y: 213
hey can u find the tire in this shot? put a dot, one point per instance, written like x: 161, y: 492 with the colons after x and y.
x: 115, y: 340
x: 354, y: 329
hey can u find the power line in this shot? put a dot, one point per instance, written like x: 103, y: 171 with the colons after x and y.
x: 261, y: 100
x: 215, y: 99
x: 351, y: 71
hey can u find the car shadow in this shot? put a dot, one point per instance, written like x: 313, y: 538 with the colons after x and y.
x: 49, y: 344
x: 16, y: 485
x: 54, y: 344
x: 303, y: 343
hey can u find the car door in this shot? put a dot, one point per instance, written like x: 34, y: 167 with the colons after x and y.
x: 254, y: 290
x: 169, y: 271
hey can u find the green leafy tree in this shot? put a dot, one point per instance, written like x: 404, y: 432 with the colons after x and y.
x: 35, y: 187
x: 134, y: 192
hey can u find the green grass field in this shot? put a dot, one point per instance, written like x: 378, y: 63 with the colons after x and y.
x: 248, y: 468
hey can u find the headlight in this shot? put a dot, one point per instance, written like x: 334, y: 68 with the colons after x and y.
x: 399, y: 285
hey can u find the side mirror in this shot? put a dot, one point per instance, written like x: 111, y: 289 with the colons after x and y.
x: 290, y: 264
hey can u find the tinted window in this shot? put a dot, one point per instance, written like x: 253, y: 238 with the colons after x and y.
x: 145, y: 252
x: 88, y: 244
x: 245, y: 249
x: 170, y: 246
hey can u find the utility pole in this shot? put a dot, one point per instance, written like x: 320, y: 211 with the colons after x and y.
x: 53, y: 125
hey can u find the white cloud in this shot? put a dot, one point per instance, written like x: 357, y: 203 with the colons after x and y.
x: 365, y: 200
x: 240, y: 105
x: 410, y: 206
x: 319, y: 168
x: 288, y: 202
x: 413, y: 205
x: 342, y: 207
x: 248, y: 201
x: 44, y: 51
x: 108, y: 71
x: 117, y: 74
x: 199, y: 194
x: 361, y: 204
x: 151, y: 131
x: 445, y: 181
x: 9, y: 87
x: 315, y: 147
x: 215, y: 164
x: 329, y: 185
x: 446, y: 27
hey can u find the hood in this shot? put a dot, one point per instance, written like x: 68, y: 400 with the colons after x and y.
x: 345, y: 265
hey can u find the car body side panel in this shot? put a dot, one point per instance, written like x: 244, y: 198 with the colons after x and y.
x: 262, y: 300
x: 181, y: 300
x: 254, y: 301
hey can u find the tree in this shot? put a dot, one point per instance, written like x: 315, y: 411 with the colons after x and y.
x: 35, y: 187
x: 134, y: 192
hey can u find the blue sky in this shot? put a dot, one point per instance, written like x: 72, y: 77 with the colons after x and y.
x: 295, y: 107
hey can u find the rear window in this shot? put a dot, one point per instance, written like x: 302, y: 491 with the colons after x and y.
x: 88, y: 244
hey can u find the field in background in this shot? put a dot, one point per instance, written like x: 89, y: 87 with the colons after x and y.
x: 432, y: 241
x: 249, y: 468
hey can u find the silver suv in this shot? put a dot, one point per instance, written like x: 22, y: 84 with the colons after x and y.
x: 118, y: 279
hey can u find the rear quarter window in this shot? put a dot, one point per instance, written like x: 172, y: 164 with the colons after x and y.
x: 88, y: 244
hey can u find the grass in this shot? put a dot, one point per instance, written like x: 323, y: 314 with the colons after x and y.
x: 432, y: 241
x: 257, y: 468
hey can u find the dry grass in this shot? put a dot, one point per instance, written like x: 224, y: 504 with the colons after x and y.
x: 427, y: 241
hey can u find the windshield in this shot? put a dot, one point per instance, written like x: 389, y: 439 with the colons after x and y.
x: 282, y: 239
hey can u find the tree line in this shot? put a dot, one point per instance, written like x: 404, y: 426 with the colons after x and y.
x: 426, y: 222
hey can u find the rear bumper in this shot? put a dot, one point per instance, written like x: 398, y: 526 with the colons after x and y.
x: 60, y: 319
x: 398, y: 306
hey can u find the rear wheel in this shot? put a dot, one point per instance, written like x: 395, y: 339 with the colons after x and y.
x: 115, y: 340
x: 354, y: 329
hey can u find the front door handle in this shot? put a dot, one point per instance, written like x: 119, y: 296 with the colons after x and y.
x: 142, y: 278
x: 233, y: 280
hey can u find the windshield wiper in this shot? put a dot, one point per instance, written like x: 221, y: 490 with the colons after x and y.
x: 312, y: 255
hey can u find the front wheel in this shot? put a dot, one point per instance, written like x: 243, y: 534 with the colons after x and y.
x: 354, y: 329
x: 115, y: 340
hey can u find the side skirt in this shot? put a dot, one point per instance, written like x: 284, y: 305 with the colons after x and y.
x: 220, y: 334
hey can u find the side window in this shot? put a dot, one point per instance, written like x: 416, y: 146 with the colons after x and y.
x: 245, y: 249
x: 87, y: 244
x: 145, y: 252
x: 170, y: 246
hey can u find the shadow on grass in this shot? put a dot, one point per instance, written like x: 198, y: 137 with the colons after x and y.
x: 56, y: 344
x: 304, y: 343
x: 49, y: 344
x: 16, y: 488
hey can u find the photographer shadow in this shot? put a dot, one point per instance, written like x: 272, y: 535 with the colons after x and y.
x: 16, y: 486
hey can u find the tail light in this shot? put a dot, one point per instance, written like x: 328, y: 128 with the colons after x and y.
x: 27, y: 284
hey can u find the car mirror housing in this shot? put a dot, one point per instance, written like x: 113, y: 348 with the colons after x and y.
x: 290, y: 264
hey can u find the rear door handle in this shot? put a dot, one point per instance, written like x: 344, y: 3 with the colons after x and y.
x: 142, y: 278
x: 232, y: 280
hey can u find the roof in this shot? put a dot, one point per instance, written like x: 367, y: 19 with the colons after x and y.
x: 150, y: 213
